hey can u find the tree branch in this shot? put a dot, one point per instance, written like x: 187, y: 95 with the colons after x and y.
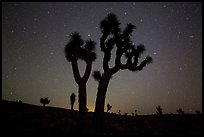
x: 75, y: 70
x: 107, y: 54
x: 87, y: 71
x: 102, y: 41
x: 147, y: 60
x: 106, y: 59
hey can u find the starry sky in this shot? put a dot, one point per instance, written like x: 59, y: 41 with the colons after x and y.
x: 34, y: 65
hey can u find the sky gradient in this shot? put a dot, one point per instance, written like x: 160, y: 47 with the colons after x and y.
x: 34, y: 65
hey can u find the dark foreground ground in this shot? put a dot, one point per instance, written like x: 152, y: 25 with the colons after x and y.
x: 25, y: 119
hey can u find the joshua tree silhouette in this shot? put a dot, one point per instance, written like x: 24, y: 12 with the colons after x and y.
x: 197, y: 112
x: 72, y: 100
x: 180, y: 111
x: 109, y: 107
x: 135, y: 112
x: 158, y: 110
x: 44, y: 101
x: 119, y: 112
x: 112, y: 36
x: 75, y: 50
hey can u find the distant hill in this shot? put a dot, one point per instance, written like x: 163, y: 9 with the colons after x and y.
x: 26, y: 119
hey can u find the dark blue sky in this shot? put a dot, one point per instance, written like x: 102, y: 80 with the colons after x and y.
x: 33, y: 62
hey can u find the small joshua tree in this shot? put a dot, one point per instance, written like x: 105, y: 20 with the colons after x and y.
x: 72, y: 100
x: 197, y: 112
x: 180, y: 111
x: 135, y: 112
x: 158, y: 110
x: 119, y: 112
x: 109, y: 107
x: 44, y: 101
x: 19, y: 101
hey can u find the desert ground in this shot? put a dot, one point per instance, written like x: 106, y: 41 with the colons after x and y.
x: 26, y: 119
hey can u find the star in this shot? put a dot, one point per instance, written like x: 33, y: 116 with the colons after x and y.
x: 35, y: 35
x: 36, y: 19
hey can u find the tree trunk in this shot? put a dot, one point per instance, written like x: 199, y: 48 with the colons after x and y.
x: 100, y: 100
x: 82, y: 102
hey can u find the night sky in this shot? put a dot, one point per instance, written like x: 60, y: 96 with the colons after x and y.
x: 34, y: 65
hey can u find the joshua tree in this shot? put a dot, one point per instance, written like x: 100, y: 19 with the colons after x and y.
x: 75, y: 50
x: 19, y: 101
x: 135, y: 112
x: 197, y: 112
x: 180, y: 111
x: 119, y: 112
x: 72, y: 100
x: 158, y: 110
x: 113, y: 36
x: 109, y: 107
x: 44, y: 101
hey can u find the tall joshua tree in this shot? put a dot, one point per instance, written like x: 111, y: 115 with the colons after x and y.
x: 113, y: 36
x: 75, y: 50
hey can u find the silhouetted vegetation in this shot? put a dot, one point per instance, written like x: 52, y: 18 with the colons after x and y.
x: 44, y: 101
x: 75, y: 50
x: 198, y: 112
x: 158, y: 110
x: 180, y: 111
x: 72, y: 100
x: 29, y: 120
x: 119, y: 112
x: 109, y: 107
x: 135, y: 112
x: 113, y: 36
x: 19, y: 101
